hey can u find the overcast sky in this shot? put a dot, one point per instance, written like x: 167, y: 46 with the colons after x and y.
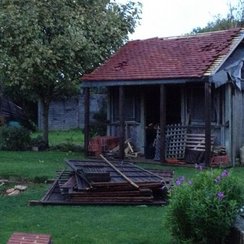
x: 164, y: 18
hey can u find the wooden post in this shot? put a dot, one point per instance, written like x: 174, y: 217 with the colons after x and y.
x: 208, y: 109
x: 86, y: 119
x: 122, y: 123
x: 162, y: 123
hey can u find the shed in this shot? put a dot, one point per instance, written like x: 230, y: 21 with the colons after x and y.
x: 194, y: 81
x: 9, y: 111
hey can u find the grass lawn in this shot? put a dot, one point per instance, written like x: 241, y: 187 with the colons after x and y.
x: 77, y: 224
x: 33, y: 165
x: 70, y: 136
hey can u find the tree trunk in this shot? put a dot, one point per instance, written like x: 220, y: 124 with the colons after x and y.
x: 45, y: 106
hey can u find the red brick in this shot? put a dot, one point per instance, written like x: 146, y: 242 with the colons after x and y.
x: 27, y: 238
x: 219, y: 160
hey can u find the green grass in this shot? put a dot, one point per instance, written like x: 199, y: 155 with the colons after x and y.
x: 76, y: 224
x: 33, y: 165
x: 82, y: 224
x: 57, y: 137
x: 67, y: 224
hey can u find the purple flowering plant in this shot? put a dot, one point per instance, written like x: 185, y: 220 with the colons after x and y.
x: 220, y: 195
x: 225, y: 173
x: 179, y: 181
x: 197, y: 205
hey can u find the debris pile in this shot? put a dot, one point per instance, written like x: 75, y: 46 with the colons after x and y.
x: 104, y: 182
x: 219, y: 157
x: 16, y: 190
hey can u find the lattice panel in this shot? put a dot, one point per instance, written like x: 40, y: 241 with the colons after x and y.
x: 175, y: 142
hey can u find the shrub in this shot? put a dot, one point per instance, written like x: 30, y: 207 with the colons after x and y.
x: 38, y: 142
x: 40, y: 179
x: 14, y: 139
x: 68, y: 147
x: 204, y: 210
x: 97, y: 129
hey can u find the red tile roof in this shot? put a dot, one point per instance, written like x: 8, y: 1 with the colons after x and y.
x: 165, y: 58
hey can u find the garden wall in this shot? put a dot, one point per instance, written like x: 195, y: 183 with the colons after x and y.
x: 65, y: 114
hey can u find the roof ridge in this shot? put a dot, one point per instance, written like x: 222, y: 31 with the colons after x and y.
x: 240, y: 29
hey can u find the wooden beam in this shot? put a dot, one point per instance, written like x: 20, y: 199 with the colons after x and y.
x: 122, y: 123
x: 119, y: 172
x: 86, y: 119
x: 208, y: 109
x: 162, y: 122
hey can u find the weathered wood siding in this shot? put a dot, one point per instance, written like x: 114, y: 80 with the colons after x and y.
x: 67, y: 114
x: 237, y: 131
x: 233, y: 131
x: 242, y: 121
x: 133, y: 129
x: 192, y: 114
x: 234, y: 121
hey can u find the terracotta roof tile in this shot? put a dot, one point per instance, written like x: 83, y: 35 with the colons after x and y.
x: 165, y: 58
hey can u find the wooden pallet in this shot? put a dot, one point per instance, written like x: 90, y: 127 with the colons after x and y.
x: 195, y: 147
x: 196, y: 142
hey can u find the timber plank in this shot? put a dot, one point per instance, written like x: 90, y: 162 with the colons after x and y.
x: 75, y: 187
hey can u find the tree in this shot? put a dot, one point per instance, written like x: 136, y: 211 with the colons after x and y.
x: 46, y: 45
x: 234, y: 18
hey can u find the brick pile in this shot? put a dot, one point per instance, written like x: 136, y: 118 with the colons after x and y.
x: 27, y: 238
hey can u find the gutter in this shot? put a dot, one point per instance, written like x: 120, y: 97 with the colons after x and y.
x: 97, y: 83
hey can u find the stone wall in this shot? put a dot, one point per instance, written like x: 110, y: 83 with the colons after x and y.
x: 65, y: 114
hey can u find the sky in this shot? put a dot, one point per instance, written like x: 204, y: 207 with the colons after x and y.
x: 164, y: 18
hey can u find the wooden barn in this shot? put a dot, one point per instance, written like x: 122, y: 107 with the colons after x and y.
x: 192, y: 84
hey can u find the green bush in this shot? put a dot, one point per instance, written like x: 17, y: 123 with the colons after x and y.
x: 14, y: 139
x: 38, y: 142
x: 67, y: 147
x: 204, y: 210
x: 98, y: 129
